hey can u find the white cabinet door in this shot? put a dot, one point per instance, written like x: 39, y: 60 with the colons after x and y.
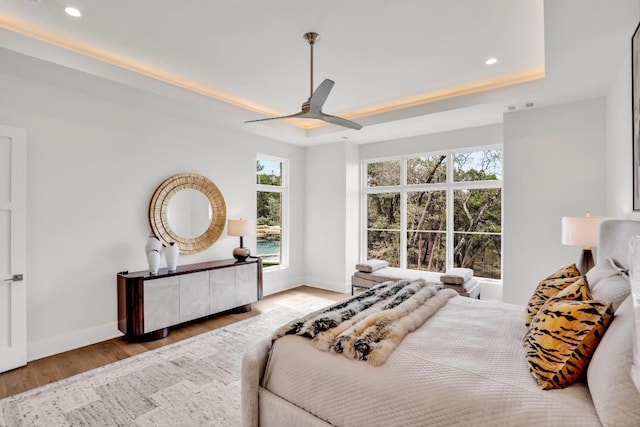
x: 194, y: 296
x: 222, y: 284
x: 13, y: 248
x: 246, y: 284
x: 161, y: 303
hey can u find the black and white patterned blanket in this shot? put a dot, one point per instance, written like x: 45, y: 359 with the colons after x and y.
x: 369, y: 326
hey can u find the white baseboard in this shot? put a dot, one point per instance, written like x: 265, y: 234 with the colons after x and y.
x: 328, y: 286
x: 281, y: 287
x: 71, y: 340
x: 491, y: 291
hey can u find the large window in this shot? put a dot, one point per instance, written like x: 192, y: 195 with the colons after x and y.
x: 271, y: 178
x: 436, y: 211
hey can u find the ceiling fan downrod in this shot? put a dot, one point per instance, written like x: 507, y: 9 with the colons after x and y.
x: 312, y: 38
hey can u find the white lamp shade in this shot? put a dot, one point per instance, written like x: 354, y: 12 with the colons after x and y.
x: 581, y: 230
x: 240, y: 227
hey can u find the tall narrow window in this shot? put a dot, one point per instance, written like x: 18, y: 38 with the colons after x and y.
x: 426, y: 230
x: 271, y: 179
x: 383, y: 212
x: 477, y: 212
x: 436, y: 211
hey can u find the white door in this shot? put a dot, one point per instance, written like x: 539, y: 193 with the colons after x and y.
x: 13, y: 248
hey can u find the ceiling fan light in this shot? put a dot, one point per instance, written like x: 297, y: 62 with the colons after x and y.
x: 72, y: 11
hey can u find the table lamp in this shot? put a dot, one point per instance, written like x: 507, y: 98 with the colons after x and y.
x: 582, y: 231
x: 241, y: 227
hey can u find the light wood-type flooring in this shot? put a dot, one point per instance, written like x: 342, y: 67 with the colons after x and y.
x: 63, y: 365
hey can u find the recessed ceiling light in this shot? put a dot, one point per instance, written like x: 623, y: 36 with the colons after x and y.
x: 491, y: 61
x: 72, y: 11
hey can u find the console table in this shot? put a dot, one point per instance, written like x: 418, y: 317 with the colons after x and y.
x: 149, y: 304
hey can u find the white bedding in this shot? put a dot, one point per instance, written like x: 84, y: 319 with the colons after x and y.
x: 443, y: 374
x: 394, y: 273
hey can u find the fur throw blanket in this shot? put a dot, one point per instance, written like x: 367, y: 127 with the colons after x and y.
x: 372, y: 324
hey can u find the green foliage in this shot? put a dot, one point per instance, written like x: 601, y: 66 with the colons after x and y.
x: 268, y: 208
x: 381, y: 174
x: 477, y: 166
x: 268, y: 178
x: 384, y: 245
x: 384, y: 211
x: 424, y: 170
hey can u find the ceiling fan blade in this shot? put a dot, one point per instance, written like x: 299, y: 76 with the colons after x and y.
x: 340, y: 121
x: 320, y: 95
x: 290, y: 116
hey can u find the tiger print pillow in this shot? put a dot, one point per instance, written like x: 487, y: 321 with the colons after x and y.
x: 563, y: 336
x: 577, y: 291
x: 549, y: 287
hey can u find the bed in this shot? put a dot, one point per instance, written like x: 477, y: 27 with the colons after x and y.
x: 464, y: 366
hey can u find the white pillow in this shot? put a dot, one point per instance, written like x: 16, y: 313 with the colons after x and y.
x: 612, y: 390
x: 371, y: 265
x: 614, y: 289
x: 635, y: 297
x: 457, y: 276
x: 601, y: 271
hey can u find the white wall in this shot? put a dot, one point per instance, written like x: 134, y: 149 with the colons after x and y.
x: 93, y: 164
x: 331, y: 215
x: 553, y: 161
x: 619, y: 167
x: 473, y: 137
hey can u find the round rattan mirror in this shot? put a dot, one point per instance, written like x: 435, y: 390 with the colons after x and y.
x: 214, y: 219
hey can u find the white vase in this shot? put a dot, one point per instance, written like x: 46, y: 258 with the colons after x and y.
x: 153, y: 257
x: 153, y: 243
x: 171, y: 253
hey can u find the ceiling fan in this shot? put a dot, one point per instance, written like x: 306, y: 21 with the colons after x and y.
x: 312, y: 107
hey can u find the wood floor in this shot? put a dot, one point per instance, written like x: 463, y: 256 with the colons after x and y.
x: 63, y: 365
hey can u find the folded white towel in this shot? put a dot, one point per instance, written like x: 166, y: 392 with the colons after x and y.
x: 371, y: 265
x: 457, y: 276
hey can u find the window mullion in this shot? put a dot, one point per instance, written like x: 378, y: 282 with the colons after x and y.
x: 403, y: 213
x: 403, y: 229
x: 450, y: 207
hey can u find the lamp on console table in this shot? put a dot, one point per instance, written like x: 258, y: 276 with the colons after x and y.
x: 241, y: 227
x: 582, y: 231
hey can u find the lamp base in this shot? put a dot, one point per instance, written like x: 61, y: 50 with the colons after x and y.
x: 586, y: 261
x: 241, y: 253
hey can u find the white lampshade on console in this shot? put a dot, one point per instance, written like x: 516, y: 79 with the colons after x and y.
x: 582, y: 231
x: 241, y: 227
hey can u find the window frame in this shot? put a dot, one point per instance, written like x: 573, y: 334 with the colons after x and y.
x: 283, y: 189
x: 449, y: 186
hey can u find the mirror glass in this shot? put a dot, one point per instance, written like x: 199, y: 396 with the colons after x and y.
x: 189, y: 213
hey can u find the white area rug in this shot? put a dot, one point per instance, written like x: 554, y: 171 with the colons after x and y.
x: 195, y: 382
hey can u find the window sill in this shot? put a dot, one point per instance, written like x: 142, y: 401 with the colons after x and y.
x: 274, y: 268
